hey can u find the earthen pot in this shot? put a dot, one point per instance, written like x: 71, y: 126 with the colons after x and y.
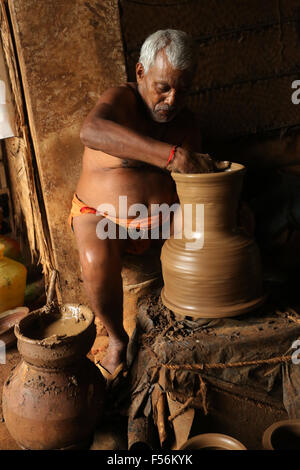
x: 212, y: 441
x: 214, y: 269
x: 54, y: 397
x: 282, y: 435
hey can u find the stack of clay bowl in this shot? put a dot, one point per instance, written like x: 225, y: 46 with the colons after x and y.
x: 8, y: 319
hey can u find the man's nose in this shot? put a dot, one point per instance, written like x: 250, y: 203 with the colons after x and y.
x: 171, y: 98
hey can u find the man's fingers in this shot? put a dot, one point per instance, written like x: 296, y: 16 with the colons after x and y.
x: 204, y: 164
x: 201, y: 163
x: 222, y: 165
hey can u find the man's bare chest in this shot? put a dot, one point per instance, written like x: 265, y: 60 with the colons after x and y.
x: 171, y: 133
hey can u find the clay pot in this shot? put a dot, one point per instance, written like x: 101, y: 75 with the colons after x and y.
x: 282, y: 435
x: 212, y: 441
x: 216, y: 271
x: 54, y: 397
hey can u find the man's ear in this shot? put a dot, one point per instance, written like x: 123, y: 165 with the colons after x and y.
x: 140, y: 72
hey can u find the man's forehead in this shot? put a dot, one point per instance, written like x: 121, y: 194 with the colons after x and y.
x: 163, y: 71
x: 162, y: 63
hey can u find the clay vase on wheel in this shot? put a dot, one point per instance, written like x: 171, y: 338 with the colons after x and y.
x: 212, y: 269
x: 54, y: 397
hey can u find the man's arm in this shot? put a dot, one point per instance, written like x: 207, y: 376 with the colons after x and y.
x: 106, y: 129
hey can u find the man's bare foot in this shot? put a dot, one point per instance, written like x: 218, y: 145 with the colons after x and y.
x: 115, y: 354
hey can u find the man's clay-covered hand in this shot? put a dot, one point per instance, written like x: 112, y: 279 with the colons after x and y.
x: 193, y: 162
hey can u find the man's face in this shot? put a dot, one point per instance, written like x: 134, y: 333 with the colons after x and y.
x: 163, y: 88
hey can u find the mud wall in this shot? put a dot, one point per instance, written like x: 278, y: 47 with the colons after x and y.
x: 248, y: 55
x: 68, y: 53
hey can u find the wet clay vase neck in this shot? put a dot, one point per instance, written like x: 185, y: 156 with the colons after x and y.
x: 54, y: 397
x: 213, y: 269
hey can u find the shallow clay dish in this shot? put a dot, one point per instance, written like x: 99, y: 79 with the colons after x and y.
x: 282, y: 435
x: 8, y: 320
x: 212, y: 441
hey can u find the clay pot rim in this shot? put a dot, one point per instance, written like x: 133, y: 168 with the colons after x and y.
x: 267, y: 435
x: 40, y: 312
x: 235, y: 168
x: 216, y: 438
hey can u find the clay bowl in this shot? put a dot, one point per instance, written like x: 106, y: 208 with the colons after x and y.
x: 8, y: 320
x: 212, y: 441
x: 282, y: 435
x: 55, y: 351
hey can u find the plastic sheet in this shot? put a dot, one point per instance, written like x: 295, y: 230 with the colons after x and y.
x: 178, y: 361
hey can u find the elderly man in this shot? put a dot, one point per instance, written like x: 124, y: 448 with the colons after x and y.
x: 135, y: 135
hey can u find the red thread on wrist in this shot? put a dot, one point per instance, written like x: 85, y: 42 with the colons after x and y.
x: 172, y: 154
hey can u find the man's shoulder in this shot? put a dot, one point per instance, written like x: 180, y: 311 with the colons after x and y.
x: 119, y: 103
x: 126, y: 91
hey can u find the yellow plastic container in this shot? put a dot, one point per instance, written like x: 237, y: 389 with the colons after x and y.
x: 12, y: 282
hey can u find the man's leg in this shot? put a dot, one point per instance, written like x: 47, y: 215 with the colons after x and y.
x: 101, y: 270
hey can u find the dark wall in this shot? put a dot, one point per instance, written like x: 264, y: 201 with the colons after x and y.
x: 248, y: 56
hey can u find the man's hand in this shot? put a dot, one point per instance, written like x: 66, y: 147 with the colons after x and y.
x: 185, y: 161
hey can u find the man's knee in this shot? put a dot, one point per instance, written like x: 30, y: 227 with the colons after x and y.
x: 99, y: 259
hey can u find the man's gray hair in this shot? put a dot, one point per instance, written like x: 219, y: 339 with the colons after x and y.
x: 178, y: 45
